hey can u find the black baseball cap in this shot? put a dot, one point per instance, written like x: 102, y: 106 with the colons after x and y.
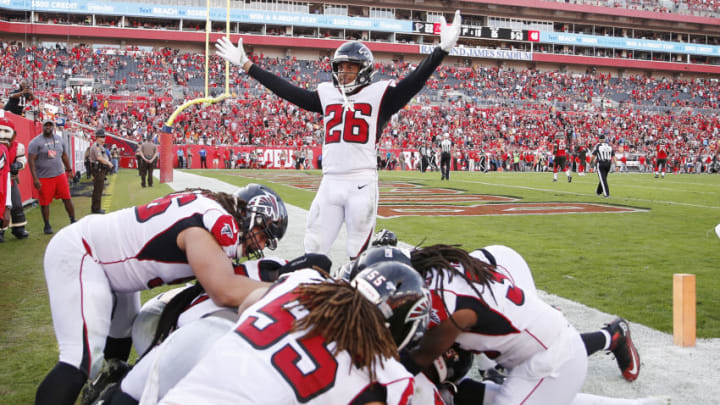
x: 100, y: 133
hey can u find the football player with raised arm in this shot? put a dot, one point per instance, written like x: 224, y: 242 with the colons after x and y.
x: 661, y: 157
x: 95, y: 269
x: 355, y: 110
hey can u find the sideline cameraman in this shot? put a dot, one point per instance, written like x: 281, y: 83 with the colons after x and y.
x: 99, y: 165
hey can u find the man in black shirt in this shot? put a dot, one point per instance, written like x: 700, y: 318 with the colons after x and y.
x: 19, y: 99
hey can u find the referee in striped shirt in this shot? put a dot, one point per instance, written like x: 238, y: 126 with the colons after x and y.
x: 604, y: 155
x: 445, y: 154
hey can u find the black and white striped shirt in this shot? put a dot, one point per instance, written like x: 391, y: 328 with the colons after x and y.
x: 604, y: 152
x: 445, y: 145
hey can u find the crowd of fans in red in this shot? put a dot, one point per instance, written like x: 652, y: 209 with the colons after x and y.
x: 487, y: 111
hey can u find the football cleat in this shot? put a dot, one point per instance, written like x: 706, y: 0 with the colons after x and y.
x: 569, y: 179
x: 113, y: 371
x: 622, y: 347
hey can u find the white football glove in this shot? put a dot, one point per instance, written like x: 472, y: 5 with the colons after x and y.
x: 235, y: 55
x: 449, y: 34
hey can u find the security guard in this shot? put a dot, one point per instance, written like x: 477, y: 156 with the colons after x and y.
x: 147, y: 156
x: 604, y: 154
x: 99, y: 166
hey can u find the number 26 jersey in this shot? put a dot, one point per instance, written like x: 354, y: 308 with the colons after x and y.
x: 351, y: 134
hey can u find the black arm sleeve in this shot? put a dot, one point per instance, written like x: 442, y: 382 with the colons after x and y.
x: 396, y: 97
x: 306, y: 99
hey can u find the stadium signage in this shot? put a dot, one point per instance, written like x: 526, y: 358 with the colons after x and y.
x: 508, y: 34
x: 359, y: 23
x: 216, y: 14
x: 646, y: 45
x: 101, y: 8
x: 61, y: 5
x: 485, y: 53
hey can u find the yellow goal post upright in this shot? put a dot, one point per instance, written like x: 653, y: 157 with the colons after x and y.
x: 167, y: 156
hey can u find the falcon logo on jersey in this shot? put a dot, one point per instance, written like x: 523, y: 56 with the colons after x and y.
x: 437, y: 312
x: 225, y: 231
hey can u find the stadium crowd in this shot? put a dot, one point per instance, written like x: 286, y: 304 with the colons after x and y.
x: 508, y: 116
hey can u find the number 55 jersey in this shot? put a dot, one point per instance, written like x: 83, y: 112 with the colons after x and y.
x: 264, y: 361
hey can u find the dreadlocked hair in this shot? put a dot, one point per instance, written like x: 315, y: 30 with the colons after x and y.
x: 340, y: 314
x: 233, y: 206
x: 447, y: 257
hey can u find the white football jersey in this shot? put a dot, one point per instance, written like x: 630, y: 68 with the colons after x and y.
x: 137, y: 246
x: 262, y: 361
x: 203, y: 305
x: 351, y: 135
x: 512, y: 326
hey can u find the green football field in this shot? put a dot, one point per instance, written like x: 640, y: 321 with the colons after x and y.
x: 619, y: 263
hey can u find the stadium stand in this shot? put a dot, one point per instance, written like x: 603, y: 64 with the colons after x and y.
x: 493, y: 108
x: 489, y: 109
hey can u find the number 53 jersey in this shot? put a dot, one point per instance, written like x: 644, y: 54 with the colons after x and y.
x: 263, y: 361
x: 513, y: 323
x: 137, y: 247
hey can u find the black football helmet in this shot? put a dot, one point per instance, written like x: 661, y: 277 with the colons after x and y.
x: 264, y: 208
x: 399, y: 293
x: 354, y: 52
x: 369, y: 257
x: 385, y: 237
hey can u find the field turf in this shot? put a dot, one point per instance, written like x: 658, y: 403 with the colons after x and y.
x: 617, y: 263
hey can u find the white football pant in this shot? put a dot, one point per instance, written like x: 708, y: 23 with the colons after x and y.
x: 351, y: 199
